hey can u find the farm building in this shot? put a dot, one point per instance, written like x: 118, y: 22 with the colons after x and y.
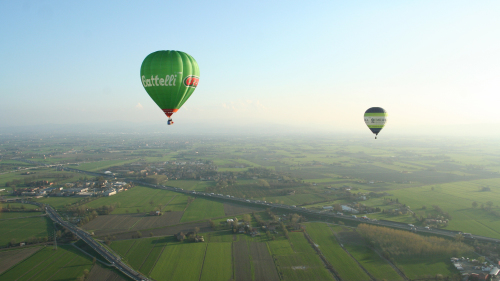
x: 110, y: 193
x: 346, y: 208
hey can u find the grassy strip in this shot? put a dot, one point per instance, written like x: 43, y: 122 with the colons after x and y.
x: 346, y: 267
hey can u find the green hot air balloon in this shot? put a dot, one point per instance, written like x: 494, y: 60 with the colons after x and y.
x: 375, y: 118
x: 170, y: 78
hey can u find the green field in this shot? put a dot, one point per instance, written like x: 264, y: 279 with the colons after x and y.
x: 296, y: 260
x: 347, y: 268
x: 218, y: 262
x: 67, y: 263
x: 459, y: 197
x: 9, y: 215
x: 143, y: 198
x: 22, y: 229
x: 203, y: 209
x: 190, y: 184
x: 372, y: 262
x: 101, y: 165
x: 180, y: 262
x: 416, y: 267
x: 58, y: 202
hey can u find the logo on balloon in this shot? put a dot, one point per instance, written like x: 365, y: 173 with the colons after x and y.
x: 191, y: 81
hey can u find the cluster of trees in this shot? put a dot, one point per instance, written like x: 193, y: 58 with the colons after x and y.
x: 442, y: 213
x: 488, y: 206
x: 403, y: 243
x: 84, y: 276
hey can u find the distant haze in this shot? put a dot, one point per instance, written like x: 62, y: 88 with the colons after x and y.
x: 265, y: 67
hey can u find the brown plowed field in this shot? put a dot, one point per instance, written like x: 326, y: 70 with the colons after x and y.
x: 263, y: 263
x: 241, y: 255
x: 12, y: 257
x: 164, y: 231
x: 168, y: 218
x: 112, y: 224
x: 97, y: 273
x: 235, y: 209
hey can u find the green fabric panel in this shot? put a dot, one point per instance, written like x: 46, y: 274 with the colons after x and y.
x: 375, y: 114
x: 169, y: 68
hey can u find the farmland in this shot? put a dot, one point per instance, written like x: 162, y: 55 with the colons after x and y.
x: 22, y: 229
x: 138, y: 198
x: 347, y: 267
x: 203, y: 209
x: 218, y: 262
x: 296, y: 260
x: 180, y: 262
x: 416, y: 175
x: 47, y: 264
x: 9, y: 258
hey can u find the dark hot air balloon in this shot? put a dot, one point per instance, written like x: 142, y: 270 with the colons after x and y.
x: 375, y: 118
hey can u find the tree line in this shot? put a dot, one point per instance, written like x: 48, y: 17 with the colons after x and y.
x: 395, y: 242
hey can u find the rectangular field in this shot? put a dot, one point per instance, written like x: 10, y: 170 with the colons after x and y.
x: 372, y: 262
x: 140, y: 198
x: 347, y: 268
x: 242, y: 262
x: 203, y: 209
x: 10, y: 258
x: 218, y: 264
x: 67, y: 263
x: 263, y: 264
x: 180, y: 262
x: 22, y: 229
x: 297, y: 261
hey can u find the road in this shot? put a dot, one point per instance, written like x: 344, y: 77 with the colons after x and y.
x: 103, y: 251
x: 299, y: 210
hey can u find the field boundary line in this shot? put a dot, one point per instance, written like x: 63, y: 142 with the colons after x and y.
x: 398, y: 271
x: 154, y: 265
x: 42, y: 215
x: 142, y: 264
x: 23, y: 260
x: 274, y: 261
x: 327, y: 264
x: 31, y: 268
x: 203, y: 263
x: 128, y: 250
x: 130, y: 228
x: 170, y: 200
x: 56, y: 259
x: 347, y: 252
x: 61, y: 268
x: 232, y: 261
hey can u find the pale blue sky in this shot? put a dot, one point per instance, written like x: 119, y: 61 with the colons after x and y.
x: 315, y: 63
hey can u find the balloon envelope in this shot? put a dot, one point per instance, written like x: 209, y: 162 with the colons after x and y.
x: 170, y: 78
x: 375, y: 119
